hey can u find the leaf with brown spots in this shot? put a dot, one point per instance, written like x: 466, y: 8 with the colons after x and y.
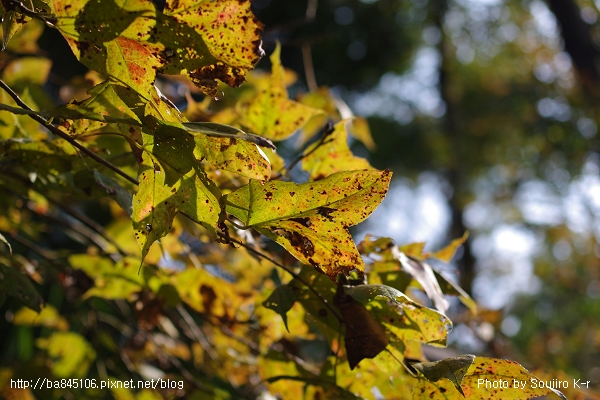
x: 271, y: 113
x: 489, y: 379
x: 453, y: 369
x: 311, y: 220
x: 402, y: 318
x: 333, y: 155
x: 133, y: 40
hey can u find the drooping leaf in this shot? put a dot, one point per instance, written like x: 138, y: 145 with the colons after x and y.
x: 364, y: 336
x: 453, y: 369
x: 451, y: 288
x: 6, y: 242
x: 322, y: 159
x: 271, y: 113
x: 359, y: 128
x: 310, y: 220
x: 423, y: 273
x: 120, y: 194
x: 15, y: 284
x: 281, y: 301
x: 71, y: 355
x: 404, y: 318
x: 489, y: 378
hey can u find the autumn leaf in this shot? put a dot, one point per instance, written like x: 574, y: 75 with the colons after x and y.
x: 489, y: 378
x: 447, y: 252
x: 322, y: 159
x: 132, y: 40
x: 311, y: 220
x: 271, y: 113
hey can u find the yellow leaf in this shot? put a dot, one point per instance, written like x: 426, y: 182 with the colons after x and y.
x: 447, y: 252
x: 311, y: 220
x: 322, y: 159
x: 271, y: 113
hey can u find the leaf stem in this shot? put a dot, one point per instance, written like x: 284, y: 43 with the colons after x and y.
x: 65, y: 136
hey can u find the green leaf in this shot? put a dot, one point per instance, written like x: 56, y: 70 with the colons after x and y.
x: 453, y: 369
x: 404, y: 318
x: 15, y: 284
x: 271, y: 113
x: 281, y: 301
x: 311, y: 220
x: 71, y: 355
x: 166, y: 188
x: 322, y: 159
x: 109, y: 102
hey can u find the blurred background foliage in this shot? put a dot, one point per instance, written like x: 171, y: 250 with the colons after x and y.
x: 487, y: 112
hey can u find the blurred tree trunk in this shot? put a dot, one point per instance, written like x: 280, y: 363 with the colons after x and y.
x: 456, y: 173
x: 578, y: 41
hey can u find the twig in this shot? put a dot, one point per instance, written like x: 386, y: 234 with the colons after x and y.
x: 65, y: 136
x: 48, y: 20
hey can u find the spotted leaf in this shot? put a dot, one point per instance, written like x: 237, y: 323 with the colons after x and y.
x: 311, y: 220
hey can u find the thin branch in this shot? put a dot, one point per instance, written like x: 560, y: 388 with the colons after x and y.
x: 65, y: 136
x: 292, y: 273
